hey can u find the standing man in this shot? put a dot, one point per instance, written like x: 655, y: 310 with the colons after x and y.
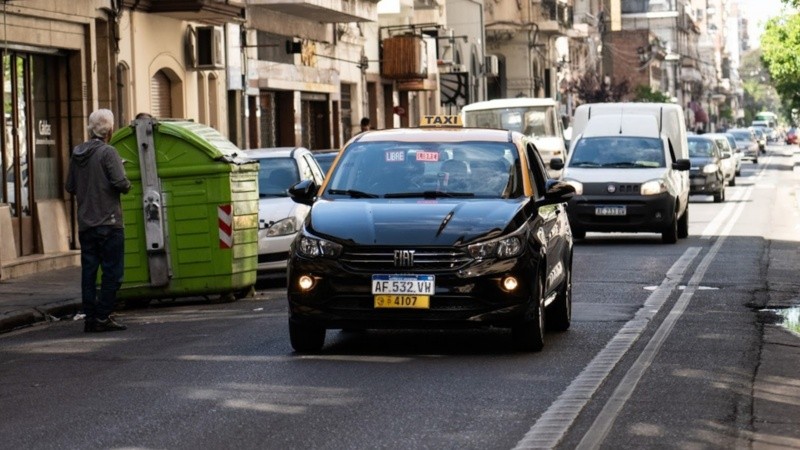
x: 96, y: 177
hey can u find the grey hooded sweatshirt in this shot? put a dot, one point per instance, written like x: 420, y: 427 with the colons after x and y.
x: 96, y: 177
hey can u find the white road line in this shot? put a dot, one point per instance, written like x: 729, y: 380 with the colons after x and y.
x: 554, y: 423
x: 597, y: 433
x: 722, y: 216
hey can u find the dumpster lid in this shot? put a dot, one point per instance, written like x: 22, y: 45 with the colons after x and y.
x: 203, y: 137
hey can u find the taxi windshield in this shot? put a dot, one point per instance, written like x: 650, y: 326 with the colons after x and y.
x: 427, y: 170
x: 618, y: 152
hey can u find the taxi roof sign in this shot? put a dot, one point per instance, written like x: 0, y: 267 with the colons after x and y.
x: 440, y: 121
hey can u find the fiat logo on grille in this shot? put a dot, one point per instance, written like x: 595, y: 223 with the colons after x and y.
x: 404, y: 258
x: 611, y: 188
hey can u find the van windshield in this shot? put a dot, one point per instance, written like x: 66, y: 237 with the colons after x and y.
x: 535, y: 121
x: 618, y: 152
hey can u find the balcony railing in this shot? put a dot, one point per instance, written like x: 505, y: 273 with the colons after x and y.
x: 558, y: 12
x: 208, y: 11
x: 323, y: 11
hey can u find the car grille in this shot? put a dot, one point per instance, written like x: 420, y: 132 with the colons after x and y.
x: 619, y: 188
x: 428, y: 260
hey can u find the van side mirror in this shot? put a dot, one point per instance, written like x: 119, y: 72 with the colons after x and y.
x: 682, y: 164
x: 556, y: 163
x: 304, y: 192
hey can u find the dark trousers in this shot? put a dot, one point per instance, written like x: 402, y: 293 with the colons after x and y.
x: 102, y: 247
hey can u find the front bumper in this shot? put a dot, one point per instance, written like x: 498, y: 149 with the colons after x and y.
x: 705, y: 183
x: 651, y: 213
x: 470, y: 297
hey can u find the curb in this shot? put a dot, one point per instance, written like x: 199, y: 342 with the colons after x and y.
x: 29, y: 316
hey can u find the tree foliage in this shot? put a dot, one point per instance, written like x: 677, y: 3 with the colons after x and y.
x: 592, y: 88
x: 780, y: 44
x: 759, y: 94
x: 643, y: 93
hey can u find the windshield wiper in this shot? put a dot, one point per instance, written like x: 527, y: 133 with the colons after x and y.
x: 428, y: 194
x: 621, y: 164
x: 584, y: 164
x: 352, y: 193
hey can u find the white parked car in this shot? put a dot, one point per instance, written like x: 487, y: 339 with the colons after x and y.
x: 279, y: 217
x: 729, y: 160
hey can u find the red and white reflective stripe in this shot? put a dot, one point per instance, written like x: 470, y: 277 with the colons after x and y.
x: 225, y: 219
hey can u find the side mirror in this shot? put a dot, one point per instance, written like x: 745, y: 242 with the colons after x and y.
x: 304, y: 192
x: 556, y: 163
x: 556, y: 191
x: 726, y: 155
x: 682, y: 164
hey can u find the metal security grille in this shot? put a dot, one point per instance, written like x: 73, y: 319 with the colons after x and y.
x: 429, y: 260
x: 160, y: 95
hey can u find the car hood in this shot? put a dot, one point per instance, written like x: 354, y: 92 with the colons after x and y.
x: 700, y: 161
x: 639, y: 175
x: 412, y: 221
x: 276, y: 208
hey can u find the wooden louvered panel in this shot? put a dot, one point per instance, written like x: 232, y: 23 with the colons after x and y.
x: 160, y: 97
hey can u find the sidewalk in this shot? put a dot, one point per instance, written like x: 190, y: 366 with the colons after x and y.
x: 39, y: 297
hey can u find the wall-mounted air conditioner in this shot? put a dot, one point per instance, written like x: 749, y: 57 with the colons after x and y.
x: 209, y: 48
x: 491, y: 66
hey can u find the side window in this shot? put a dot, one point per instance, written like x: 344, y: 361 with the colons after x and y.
x: 305, y: 170
x: 315, y: 170
x: 671, y: 151
x: 536, y: 170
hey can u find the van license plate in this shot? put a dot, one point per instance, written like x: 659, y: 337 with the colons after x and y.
x: 610, y: 210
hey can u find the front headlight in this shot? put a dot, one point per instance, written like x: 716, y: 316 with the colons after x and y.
x: 576, y: 184
x: 507, y: 247
x: 318, y: 248
x: 653, y: 187
x: 710, y: 168
x: 283, y: 227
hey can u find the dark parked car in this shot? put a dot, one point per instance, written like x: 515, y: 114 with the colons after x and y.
x: 325, y: 158
x: 437, y: 228
x: 706, y: 176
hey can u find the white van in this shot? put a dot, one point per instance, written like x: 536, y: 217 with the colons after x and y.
x: 629, y: 164
x: 534, y: 117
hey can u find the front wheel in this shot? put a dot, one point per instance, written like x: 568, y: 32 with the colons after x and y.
x: 670, y: 234
x: 559, y: 314
x: 683, y: 225
x: 577, y: 233
x: 732, y: 182
x: 719, y: 197
x: 528, y: 334
x: 306, y: 338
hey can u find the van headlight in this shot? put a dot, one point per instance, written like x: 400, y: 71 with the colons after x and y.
x: 283, y: 227
x: 710, y: 168
x: 318, y: 248
x: 653, y: 187
x: 576, y: 184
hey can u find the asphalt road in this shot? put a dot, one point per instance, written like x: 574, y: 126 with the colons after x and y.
x: 662, y: 353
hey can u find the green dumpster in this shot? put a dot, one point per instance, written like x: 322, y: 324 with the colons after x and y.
x: 191, y: 217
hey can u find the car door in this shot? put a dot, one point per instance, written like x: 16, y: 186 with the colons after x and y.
x: 553, y: 219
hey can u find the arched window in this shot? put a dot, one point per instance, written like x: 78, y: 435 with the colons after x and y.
x: 161, y: 95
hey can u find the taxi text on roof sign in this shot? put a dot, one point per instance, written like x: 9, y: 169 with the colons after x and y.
x: 440, y: 121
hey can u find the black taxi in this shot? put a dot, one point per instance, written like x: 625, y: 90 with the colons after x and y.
x: 432, y: 227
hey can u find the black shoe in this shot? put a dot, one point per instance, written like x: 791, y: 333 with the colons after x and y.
x: 107, y: 325
x: 88, y: 326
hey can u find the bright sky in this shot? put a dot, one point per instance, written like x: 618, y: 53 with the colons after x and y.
x: 758, y: 12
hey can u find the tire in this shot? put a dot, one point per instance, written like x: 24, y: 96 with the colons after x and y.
x: 528, y: 334
x: 755, y: 160
x: 683, y: 225
x: 559, y: 314
x: 733, y: 181
x: 719, y: 197
x: 670, y: 234
x: 306, y: 338
x: 577, y: 233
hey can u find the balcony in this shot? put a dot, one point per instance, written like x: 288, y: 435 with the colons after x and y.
x: 215, y: 12
x: 323, y: 11
x: 557, y: 15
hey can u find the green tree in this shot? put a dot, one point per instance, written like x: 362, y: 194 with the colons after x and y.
x: 592, y: 88
x: 643, y: 93
x: 759, y: 94
x: 780, y: 44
